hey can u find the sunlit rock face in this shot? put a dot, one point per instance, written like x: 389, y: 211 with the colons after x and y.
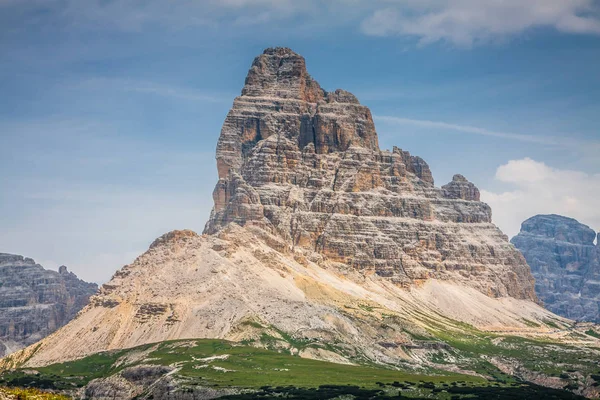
x: 565, y: 264
x: 35, y: 302
x: 305, y: 165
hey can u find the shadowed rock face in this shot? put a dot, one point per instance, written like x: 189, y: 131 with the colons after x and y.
x: 35, y: 302
x: 565, y: 263
x: 304, y: 164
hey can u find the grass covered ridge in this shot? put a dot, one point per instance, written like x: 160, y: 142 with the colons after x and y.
x: 269, y: 374
x: 220, y: 363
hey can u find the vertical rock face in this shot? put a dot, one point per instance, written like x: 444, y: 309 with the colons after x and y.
x: 565, y: 263
x: 35, y: 302
x: 281, y: 99
x: 304, y: 164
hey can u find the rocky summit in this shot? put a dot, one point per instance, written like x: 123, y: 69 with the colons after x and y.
x: 324, y: 246
x: 35, y: 302
x: 565, y: 263
x: 304, y: 164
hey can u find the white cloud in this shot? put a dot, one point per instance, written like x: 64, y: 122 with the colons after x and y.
x: 468, y: 22
x: 541, y: 189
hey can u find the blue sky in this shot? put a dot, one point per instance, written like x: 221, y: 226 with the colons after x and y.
x: 110, y: 110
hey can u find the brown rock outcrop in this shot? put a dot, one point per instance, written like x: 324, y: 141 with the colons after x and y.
x: 305, y: 165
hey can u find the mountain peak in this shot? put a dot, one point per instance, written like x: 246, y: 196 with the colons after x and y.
x: 559, y: 227
x: 279, y: 72
x: 280, y: 51
x: 281, y: 99
x: 305, y: 166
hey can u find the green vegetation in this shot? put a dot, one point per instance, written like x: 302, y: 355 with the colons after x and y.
x: 483, y: 352
x: 530, y: 323
x: 268, y: 373
x: 251, y: 367
x: 29, y: 394
x: 592, y: 333
x: 68, y: 375
x: 220, y: 363
x: 366, y: 307
x: 423, y: 390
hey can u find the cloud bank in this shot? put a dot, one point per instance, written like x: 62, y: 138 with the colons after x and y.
x: 462, y: 23
x: 540, y: 189
x: 469, y: 22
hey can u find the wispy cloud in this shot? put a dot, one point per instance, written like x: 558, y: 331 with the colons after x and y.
x: 470, y: 22
x: 463, y: 23
x: 154, y: 88
x: 131, y: 15
x: 544, y: 140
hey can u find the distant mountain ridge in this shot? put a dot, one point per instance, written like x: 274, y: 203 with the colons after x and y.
x: 35, y: 302
x: 565, y: 263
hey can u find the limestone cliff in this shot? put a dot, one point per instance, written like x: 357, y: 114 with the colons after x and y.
x: 35, y: 302
x: 565, y: 263
x: 304, y: 164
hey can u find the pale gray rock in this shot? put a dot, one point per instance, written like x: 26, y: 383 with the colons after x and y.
x: 565, y: 263
x: 35, y: 302
x: 149, y: 382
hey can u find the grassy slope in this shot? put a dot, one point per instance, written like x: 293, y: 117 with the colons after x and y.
x: 472, y: 349
x: 254, y: 368
x: 247, y: 366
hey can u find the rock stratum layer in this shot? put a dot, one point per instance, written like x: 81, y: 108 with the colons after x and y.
x: 35, y: 302
x: 305, y: 165
x: 565, y: 263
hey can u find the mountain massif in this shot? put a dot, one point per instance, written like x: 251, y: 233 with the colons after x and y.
x: 324, y: 246
x: 304, y: 165
x: 565, y: 263
x: 35, y: 302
